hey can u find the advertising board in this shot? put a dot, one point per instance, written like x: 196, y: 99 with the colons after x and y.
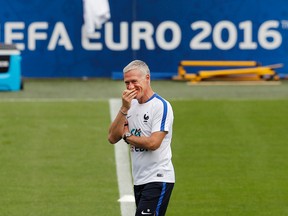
x: 54, y: 43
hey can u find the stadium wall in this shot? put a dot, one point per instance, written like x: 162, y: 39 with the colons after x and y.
x: 53, y: 43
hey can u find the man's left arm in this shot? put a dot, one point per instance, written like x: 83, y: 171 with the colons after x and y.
x: 150, y: 143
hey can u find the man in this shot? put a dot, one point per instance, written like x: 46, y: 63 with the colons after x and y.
x: 145, y: 121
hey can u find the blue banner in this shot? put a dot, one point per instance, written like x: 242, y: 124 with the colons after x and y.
x: 54, y: 43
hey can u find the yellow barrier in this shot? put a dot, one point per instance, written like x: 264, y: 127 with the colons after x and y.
x: 258, y: 70
x: 251, y: 68
x: 182, y: 74
x: 220, y: 63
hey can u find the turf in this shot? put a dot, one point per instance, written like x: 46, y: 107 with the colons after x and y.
x: 230, y: 158
x: 103, y: 89
x: 229, y: 149
x: 55, y: 160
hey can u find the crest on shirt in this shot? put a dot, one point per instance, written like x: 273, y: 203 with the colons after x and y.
x: 146, y: 117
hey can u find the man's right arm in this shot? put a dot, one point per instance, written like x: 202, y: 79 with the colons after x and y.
x: 116, y: 128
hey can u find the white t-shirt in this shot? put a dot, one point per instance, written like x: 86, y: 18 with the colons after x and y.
x: 144, y: 119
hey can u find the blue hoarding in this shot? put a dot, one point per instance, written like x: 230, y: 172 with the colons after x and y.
x: 53, y: 42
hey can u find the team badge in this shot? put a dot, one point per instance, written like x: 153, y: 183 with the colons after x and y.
x: 146, y: 117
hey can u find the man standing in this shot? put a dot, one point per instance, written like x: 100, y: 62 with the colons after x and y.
x: 145, y: 122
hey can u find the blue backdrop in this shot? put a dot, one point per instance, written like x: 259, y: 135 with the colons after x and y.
x: 160, y: 32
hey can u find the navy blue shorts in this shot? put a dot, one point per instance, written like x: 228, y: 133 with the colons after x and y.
x: 152, y: 198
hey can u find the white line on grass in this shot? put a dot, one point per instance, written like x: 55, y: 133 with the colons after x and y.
x: 124, y: 177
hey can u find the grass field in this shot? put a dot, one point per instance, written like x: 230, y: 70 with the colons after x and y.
x: 231, y: 158
x: 229, y: 149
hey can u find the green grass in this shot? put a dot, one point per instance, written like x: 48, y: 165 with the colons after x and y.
x: 230, y: 158
x: 55, y: 160
x: 229, y: 149
x: 103, y: 89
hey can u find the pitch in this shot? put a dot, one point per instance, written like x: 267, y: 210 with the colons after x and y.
x: 229, y: 149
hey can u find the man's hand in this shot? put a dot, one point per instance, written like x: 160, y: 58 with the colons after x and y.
x: 127, y: 97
